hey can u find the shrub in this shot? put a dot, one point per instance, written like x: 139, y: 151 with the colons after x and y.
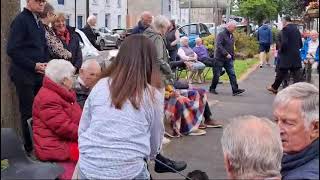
x: 245, y: 45
x: 275, y: 34
x: 208, y: 42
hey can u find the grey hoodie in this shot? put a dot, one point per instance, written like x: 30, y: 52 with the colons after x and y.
x: 163, y: 57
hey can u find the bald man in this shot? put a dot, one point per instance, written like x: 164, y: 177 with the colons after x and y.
x: 90, y: 31
x: 145, y: 22
x: 89, y: 74
x: 224, y: 55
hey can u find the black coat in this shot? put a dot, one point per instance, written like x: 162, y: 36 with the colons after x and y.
x: 289, y: 44
x: 224, y: 45
x: 91, y: 35
x: 74, y: 48
x: 26, y: 46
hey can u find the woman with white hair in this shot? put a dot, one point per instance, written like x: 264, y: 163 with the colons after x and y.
x: 189, y: 57
x: 56, y: 115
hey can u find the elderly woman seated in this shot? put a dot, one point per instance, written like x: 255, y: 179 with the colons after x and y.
x: 56, y: 115
x: 189, y: 57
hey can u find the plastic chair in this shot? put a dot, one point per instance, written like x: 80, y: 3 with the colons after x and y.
x: 20, y: 166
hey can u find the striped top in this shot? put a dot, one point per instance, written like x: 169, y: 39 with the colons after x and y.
x: 113, y: 143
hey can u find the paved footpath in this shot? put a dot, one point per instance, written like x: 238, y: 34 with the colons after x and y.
x: 204, y: 152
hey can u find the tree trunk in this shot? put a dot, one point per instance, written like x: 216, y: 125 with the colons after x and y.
x: 10, y: 116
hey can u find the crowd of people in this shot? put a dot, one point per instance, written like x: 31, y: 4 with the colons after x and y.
x: 86, y: 121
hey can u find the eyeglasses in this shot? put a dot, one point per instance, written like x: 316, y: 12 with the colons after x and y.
x: 41, y: 1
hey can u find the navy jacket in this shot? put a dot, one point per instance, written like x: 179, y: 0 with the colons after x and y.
x: 224, y: 45
x: 265, y: 34
x: 289, y: 44
x: 302, y: 165
x: 139, y: 29
x: 26, y: 46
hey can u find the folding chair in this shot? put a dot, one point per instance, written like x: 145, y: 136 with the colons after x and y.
x: 20, y: 167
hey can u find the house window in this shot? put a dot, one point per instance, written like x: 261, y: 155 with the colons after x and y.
x: 68, y: 20
x: 108, y: 3
x: 119, y: 21
x: 61, y: 2
x: 79, y: 21
x: 119, y: 3
x: 107, y: 20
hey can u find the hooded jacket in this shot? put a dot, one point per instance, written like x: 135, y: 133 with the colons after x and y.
x: 265, y: 34
x: 163, y: 56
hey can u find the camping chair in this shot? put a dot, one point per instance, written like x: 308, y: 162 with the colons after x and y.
x: 20, y: 166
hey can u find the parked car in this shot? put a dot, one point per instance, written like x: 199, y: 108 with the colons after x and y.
x: 107, y: 38
x: 88, y: 50
x: 123, y: 33
x: 196, y: 30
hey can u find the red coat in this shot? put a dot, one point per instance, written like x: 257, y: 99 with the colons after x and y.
x: 56, y: 115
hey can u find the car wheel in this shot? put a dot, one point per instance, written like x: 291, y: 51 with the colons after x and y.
x: 102, y: 44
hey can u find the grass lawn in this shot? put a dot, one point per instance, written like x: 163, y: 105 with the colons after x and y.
x: 240, y: 67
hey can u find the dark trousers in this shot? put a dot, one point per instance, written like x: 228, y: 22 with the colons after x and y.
x: 228, y: 66
x: 26, y: 93
x: 209, y: 62
x: 307, y: 72
x: 207, y: 112
x: 282, y: 74
x: 173, y: 54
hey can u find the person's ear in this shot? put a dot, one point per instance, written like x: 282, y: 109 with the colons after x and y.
x: 314, y: 129
x: 227, y: 164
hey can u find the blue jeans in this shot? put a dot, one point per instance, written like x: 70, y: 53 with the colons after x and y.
x: 228, y: 66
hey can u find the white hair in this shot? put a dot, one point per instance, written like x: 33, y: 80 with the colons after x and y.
x: 307, y: 94
x: 161, y: 22
x: 58, y: 69
x: 184, y: 40
x: 91, y: 18
x: 198, y: 39
x: 253, y: 147
x: 89, y: 62
x: 231, y: 23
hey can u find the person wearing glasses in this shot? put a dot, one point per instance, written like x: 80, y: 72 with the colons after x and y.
x: 28, y: 51
x: 55, y: 45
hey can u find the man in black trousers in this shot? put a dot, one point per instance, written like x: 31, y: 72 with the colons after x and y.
x: 289, y: 44
x: 29, y: 53
x: 224, y: 56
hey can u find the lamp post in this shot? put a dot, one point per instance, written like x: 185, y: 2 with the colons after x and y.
x: 75, y: 13
x: 189, y: 18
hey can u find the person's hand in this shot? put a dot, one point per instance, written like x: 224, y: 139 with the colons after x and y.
x: 40, y: 67
x: 305, y: 61
x: 229, y: 56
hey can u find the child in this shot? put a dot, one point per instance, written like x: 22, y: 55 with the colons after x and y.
x: 197, y: 175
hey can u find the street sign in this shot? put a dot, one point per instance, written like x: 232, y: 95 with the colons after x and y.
x: 205, y: 3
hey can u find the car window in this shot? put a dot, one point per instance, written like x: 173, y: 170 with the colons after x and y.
x: 203, y: 29
x: 81, y: 40
x: 193, y: 29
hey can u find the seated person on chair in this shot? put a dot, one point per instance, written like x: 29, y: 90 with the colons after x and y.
x: 56, y: 115
x: 89, y: 74
x: 190, y: 58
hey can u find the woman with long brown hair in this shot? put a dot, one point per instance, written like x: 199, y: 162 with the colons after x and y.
x: 121, y: 125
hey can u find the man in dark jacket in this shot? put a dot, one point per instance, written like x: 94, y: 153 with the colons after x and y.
x: 224, y: 55
x: 144, y: 23
x: 89, y: 74
x: 290, y: 44
x: 29, y: 54
x: 90, y: 32
x: 265, y: 40
x: 296, y: 111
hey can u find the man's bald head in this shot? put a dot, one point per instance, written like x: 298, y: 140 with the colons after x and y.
x: 90, y: 72
x: 146, y: 18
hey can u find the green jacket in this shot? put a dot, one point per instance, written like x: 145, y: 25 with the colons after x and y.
x: 163, y: 56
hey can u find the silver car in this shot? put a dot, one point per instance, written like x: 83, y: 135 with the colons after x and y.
x: 107, y: 38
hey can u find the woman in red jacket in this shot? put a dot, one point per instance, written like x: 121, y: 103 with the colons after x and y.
x: 56, y: 115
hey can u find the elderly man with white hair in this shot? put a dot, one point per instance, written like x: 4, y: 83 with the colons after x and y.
x: 252, y: 148
x: 89, y: 74
x: 90, y: 31
x: 190, y: 58
x: 296, y: 111
x: 310, y: 53
x: 224, y: 56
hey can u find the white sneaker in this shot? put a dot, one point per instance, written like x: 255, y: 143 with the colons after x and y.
x: 165, y: 141
x: 197, y: 132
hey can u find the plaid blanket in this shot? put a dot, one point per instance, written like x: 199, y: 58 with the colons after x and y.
x: 185, y: 111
